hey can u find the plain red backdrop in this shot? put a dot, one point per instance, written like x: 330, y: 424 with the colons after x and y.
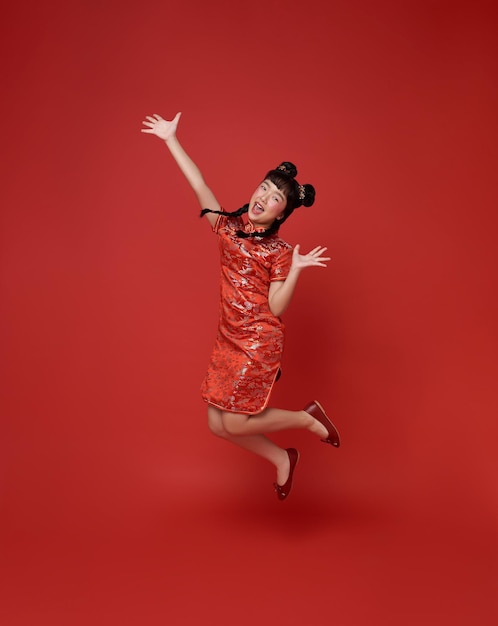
x: 118, y: 506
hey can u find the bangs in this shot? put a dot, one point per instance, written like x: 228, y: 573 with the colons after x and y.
x: 282, y: 182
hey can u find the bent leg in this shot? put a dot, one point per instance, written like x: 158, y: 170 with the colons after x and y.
x: 257, y: 443
x: 270, y: 421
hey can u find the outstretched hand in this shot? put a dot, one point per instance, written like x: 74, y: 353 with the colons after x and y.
x: 314, y: 258
x: 160, y: 127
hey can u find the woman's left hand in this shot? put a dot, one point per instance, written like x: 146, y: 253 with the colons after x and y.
x: 314, y: 258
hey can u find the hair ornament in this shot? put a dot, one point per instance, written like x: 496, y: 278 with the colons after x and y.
x: 302, y: 192
x: 287, y: 168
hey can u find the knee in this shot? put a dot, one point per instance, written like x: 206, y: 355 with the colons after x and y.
x: 218, y: 429
x: 215, y: 423
x: 233, y: 423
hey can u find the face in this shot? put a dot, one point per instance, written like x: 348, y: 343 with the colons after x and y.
x: 266, y: 205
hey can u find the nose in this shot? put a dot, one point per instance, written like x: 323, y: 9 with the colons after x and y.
x: 264, y: 196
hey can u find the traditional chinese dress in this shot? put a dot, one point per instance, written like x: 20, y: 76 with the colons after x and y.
x: 246, y: 357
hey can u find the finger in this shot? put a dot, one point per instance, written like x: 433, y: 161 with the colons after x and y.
x: 146, y: 130
x: 315, y: 250
x: 177, y: 116
x: 325, y: 258
x: 297, y: 247
x: 158, y: 117
x: 149, y: 124
x: 151, y: 119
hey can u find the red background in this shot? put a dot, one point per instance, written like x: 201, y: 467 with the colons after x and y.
x: 118, y: 506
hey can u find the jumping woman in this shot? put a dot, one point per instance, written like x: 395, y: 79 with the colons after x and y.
x: 259, y: 272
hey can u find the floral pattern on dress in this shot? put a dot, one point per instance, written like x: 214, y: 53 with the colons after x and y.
x: 249, y: 344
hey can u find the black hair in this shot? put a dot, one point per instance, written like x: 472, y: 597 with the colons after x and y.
x: 284, y: 178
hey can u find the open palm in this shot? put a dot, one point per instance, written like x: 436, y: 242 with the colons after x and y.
x: 164, y: 129
x: 314, y: 258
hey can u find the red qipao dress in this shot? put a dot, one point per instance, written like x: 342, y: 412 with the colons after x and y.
x: 246, y: 357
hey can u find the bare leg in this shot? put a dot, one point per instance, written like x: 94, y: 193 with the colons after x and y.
x: 257, y: 443
x: 270, y: 421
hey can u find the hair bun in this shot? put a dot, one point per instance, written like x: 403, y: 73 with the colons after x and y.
x: 288, y: 168
x: 308, y: 195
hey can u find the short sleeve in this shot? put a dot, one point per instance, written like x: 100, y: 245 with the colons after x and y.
x: 221, y: 221
x: 281, y: 266
x: 227, y: 221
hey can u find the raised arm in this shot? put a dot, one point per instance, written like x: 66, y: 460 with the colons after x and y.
x: 281, y: 291
x: 166, y: 130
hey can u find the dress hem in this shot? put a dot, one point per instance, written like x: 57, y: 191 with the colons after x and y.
x: 265, y: 405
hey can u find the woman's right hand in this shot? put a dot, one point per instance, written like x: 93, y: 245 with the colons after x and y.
x: 160, y: 127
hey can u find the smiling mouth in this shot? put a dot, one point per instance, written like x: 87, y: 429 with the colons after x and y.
x: 257, y: 209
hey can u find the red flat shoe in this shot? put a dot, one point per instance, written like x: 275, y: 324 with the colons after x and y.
x: 284, y: 490
x: 315, y: 409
